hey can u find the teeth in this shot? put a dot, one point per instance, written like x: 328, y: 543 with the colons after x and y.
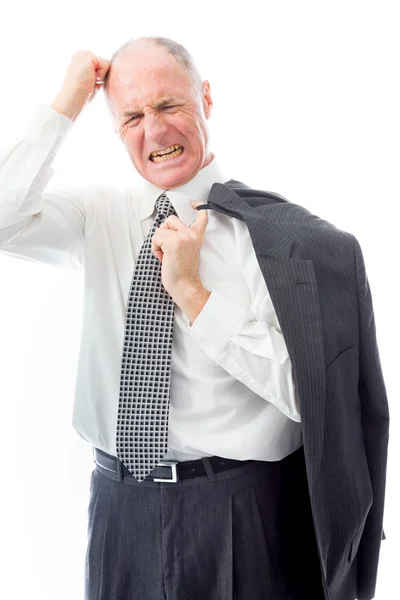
x: 158, y: 159
x: 169, y: 149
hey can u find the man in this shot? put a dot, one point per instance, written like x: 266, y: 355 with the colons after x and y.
x: 249, y: 332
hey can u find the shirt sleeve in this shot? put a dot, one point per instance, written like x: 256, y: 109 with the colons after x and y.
x: 248, y: 342
x: 34, y: 224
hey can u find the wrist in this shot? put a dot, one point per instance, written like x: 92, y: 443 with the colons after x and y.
x: 69, y: 107
x: 192, y: 301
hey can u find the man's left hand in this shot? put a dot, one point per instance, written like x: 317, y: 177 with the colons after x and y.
x: 178, y: 247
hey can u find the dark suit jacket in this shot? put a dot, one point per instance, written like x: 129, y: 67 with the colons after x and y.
x: 316, y: 277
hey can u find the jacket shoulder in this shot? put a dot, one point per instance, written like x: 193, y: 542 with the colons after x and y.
x: 297, y: 221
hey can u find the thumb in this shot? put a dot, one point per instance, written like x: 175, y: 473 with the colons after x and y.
x: 201, y: 219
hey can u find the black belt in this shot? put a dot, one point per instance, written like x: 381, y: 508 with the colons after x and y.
x: 167, y: 470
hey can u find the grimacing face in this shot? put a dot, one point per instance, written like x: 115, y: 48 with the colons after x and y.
x: 154, y: 106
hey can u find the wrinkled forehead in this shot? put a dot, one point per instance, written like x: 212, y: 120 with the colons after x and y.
x: 135, y: 86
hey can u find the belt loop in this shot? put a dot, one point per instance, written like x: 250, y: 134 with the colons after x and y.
x: 208, y: 468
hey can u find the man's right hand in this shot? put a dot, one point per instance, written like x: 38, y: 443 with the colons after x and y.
x: 84, y: 77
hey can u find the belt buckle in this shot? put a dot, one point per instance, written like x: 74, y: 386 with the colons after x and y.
x: 172, y: 464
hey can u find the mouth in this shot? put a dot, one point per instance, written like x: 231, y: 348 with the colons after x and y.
x: 169, y: 153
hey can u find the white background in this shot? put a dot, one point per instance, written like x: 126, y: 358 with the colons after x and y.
x: 306, y: 104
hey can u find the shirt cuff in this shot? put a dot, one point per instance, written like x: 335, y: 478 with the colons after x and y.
x: 216, y: 323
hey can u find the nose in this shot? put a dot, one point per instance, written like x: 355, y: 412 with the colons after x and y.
x: 155, y: 128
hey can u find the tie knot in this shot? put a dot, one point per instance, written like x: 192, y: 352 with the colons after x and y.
x: 164, y: 206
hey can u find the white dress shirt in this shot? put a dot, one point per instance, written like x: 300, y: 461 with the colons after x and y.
x: 232, y: 388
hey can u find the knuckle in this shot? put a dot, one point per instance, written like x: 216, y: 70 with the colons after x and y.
x: 83, y: 53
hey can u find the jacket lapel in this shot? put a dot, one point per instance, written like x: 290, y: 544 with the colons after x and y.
x: 293, y: 289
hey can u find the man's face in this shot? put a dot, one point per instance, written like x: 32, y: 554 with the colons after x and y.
x: 140, y: 78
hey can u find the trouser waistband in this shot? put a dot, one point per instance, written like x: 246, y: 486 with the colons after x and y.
x: 168, y: 471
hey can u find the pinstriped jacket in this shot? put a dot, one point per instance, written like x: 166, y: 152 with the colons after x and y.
x: 316, y: 277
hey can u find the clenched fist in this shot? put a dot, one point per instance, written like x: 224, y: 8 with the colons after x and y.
x: 83, y: 79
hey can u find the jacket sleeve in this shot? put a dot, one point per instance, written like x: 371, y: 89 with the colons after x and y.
x: 375, y: 425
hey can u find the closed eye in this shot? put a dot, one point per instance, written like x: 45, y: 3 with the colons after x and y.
x: 162, y: 107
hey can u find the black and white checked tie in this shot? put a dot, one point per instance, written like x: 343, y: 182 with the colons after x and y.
x: 143, y: 410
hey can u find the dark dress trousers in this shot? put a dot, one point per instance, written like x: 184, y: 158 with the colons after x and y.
x: 316, y: 277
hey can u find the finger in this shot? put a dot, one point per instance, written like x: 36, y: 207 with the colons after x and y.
x: 158, y: 254
x: 160, y: 237
x: 173, y: 222
x: 155, y: 243
x: 201, y: 221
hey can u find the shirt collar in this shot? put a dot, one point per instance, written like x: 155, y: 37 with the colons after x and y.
x: 197, y: 188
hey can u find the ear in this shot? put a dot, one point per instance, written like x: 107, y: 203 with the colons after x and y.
x: 207, y: 100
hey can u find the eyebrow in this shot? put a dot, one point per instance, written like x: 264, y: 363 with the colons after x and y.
x: 160, y: 104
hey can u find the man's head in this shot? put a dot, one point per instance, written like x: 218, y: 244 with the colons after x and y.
x: 144, y: 72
